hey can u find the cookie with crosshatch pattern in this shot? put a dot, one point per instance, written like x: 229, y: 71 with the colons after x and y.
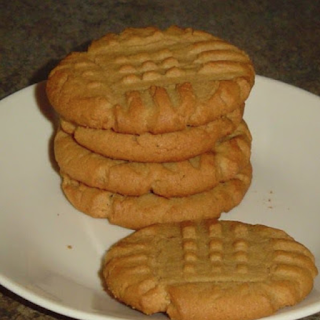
x: 209, y: 269
x: 151, y: 80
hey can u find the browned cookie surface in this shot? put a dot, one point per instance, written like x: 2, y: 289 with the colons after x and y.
x: 168, y: 179
x: 209, y: 269
x: 151, y: 80
x: 138, y: 212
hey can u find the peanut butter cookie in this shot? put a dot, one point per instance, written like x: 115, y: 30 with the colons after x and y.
x: 169, y: 179
x: 209, y: 269
x: 138, y: 212
x: 150, y: 80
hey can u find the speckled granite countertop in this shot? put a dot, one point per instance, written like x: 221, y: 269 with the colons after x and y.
x: 282, y: 38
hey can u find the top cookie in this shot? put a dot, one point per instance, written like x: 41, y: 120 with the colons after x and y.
x: 149, y: 80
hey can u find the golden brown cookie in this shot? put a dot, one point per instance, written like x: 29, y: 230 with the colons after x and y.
x: 209, y: 269
x: 170, y: 179
x: 149, y: 80
x: 138, y: 212
x: 147, y: 147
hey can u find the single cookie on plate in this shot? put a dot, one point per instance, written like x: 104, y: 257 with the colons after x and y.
x: 147, y: 147
x: 150, y: 80
x: 169, y: 179
x: 138, y: 212
x: 209, y: 269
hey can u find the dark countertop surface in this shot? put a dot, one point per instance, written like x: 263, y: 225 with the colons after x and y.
x: 282, y: 38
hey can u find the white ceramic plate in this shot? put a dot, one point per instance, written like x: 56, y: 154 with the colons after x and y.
x: 50, y: 254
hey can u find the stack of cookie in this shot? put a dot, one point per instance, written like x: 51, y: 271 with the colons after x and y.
x: 152, y: 127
